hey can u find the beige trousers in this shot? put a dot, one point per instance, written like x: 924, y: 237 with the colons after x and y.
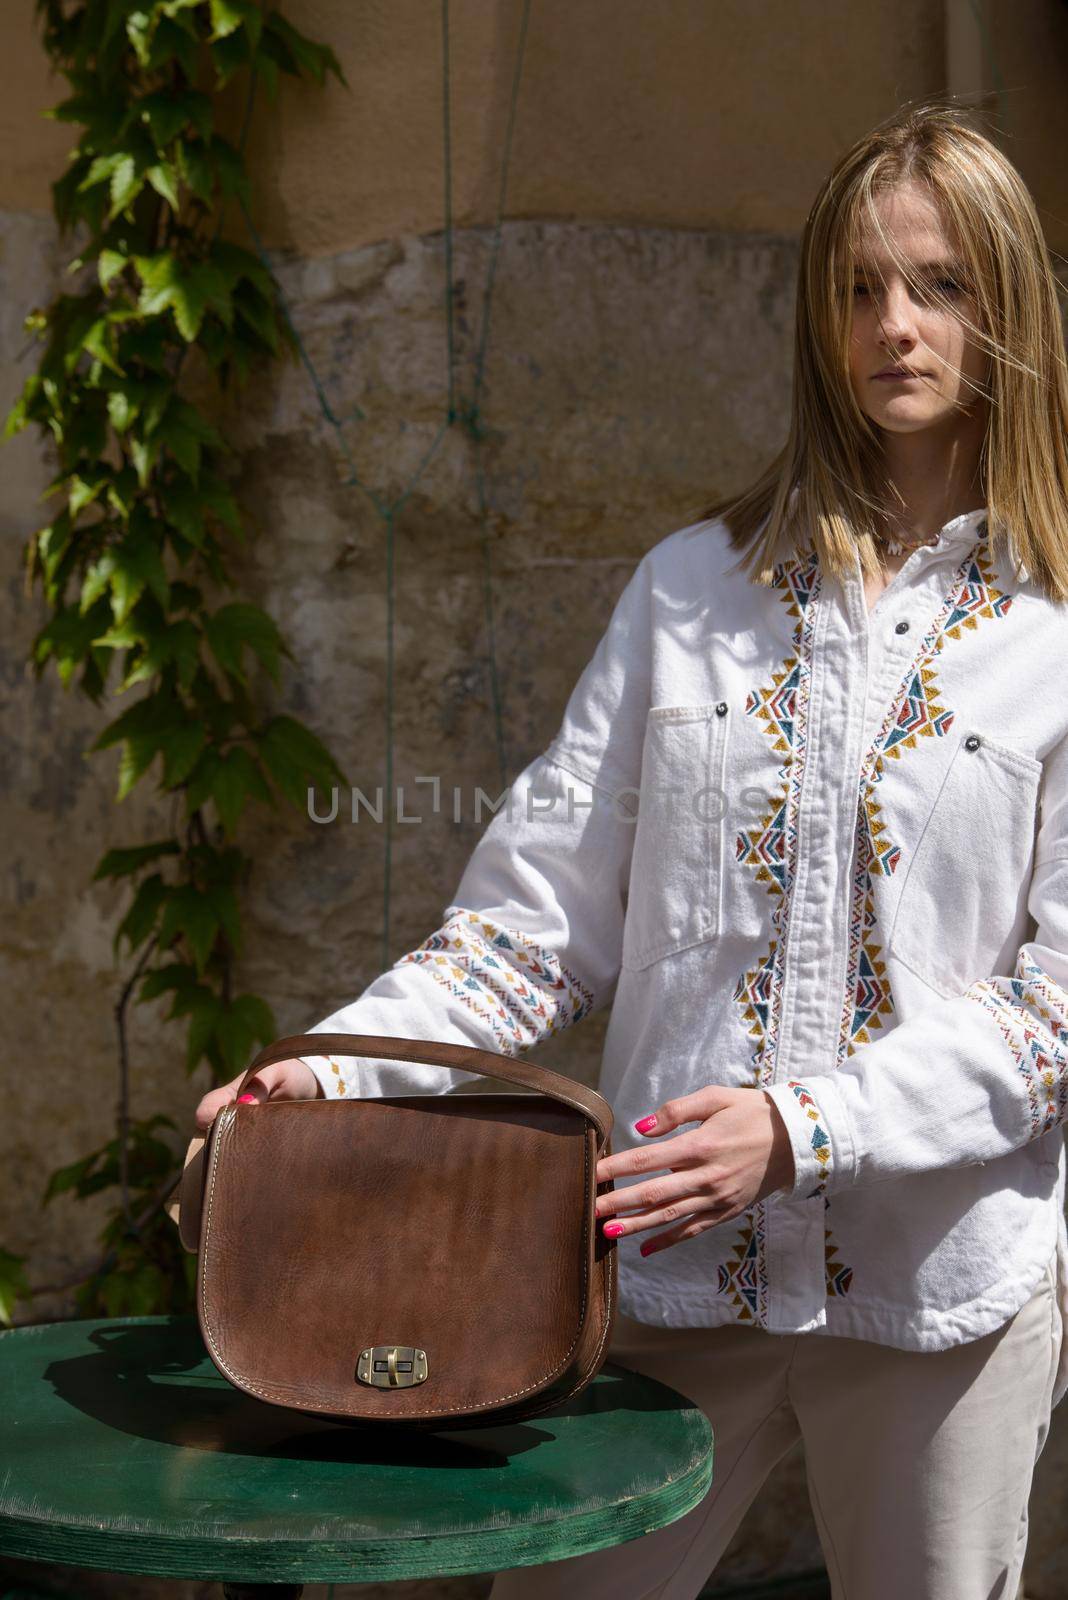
x: 919, y: 1464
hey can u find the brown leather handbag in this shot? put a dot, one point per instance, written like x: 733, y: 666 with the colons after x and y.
x: 421, y: 1261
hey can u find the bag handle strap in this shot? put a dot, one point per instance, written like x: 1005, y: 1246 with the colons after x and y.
x: 434, y: 1053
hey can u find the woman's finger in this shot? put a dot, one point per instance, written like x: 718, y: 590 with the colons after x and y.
x: 669, y: 1188
x: 695, y: 1107
x: 679, y: 1213
x: 683, y: 1151
x: 281, y: 1080
x: 690, y: 1228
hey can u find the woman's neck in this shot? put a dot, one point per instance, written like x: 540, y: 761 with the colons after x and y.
x: 932, y: 478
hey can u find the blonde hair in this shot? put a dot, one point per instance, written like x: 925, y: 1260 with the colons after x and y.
x: 825, y: 482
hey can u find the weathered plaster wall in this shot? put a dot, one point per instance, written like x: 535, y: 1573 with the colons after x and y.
x: 691, y: 113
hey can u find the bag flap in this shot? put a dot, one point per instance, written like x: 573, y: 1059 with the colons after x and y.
x: 458, y: 1226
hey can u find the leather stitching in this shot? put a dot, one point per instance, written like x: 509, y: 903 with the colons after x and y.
x: 274, y: 1393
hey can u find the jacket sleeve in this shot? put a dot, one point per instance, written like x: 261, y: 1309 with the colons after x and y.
x: 968, y: 1079
x: 531, y: 940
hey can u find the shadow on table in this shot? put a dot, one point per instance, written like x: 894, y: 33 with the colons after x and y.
x: 157, y: 1382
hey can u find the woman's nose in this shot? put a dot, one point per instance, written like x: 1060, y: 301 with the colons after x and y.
x: 896, y: 320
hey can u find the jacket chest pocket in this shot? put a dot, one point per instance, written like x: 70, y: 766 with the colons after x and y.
x: 966, y: 886
x: 675, y: 881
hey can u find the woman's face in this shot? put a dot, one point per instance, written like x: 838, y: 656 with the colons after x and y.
x: 898, y: 326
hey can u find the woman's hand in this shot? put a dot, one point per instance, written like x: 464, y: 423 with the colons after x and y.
x: 282, y: 1080
x: 739, y: 1154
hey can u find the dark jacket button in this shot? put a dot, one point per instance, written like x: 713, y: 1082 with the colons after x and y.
x: 721, y: 709
x: 902, y: 627
x: 972, y: 742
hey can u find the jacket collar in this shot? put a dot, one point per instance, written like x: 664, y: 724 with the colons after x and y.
x: 965, y: 529
x: 970, y: 528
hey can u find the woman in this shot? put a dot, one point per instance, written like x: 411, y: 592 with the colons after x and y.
x: 805, y: 825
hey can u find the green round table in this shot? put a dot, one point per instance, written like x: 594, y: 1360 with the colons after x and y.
x: 124, y: 1449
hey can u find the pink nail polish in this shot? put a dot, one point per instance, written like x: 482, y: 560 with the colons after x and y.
x: 645, y: 1249
x: 645, y: 1124
x: 612, y: 1230
x: 246, y: 1099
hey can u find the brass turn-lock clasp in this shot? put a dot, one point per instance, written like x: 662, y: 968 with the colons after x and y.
x: 392, y: 1366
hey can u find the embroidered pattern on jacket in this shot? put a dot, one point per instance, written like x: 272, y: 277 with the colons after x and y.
x: 839, y: 1277
x: 915, y: 712
x: 770, y: 848
x: 1032, y: 1013
x: 820, y: 1138
x: 743, y: 1277
x: 524, y: 992
x: 781, y: 708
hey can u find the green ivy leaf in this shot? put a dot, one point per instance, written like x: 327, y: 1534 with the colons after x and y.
x: 224, y: 903
x: 182, y: 507
x: 201, y: 785
x: 120, y: 863
x: 164, y: 179
x: 194, y: 165
x: 204, y: 1017
x: 165, y: 285
x: 109, y: 264
x: 236, y: 778
x: 152, y: 712
x: 134, y: 570
x: 148, y: 344
x: 97, y: 581
x: 239, y: 265
x: 136, y: 1291
x: 229, y: 168
x: 127, y: 181
x: 180, y: 749
x: 215, y: 495
x: 83, y: 494
x: 228, y: 55
x: 96, y: 342
x: 101, y: 170
x: 295, y: 53
x: 229, y: 15
x: 14, y: 1285
x: 20, y: 413
x: 178, y: 979
x: 144, y: 453
x: 259, y: 315
x: 180, y: 644
x: 258, y: 1017
x: 233, y: 627
x: 67, y: 637
x: 123, y: 409
x: 134, y: 761
x: 188, y: 914
x: 167, y: 114
x: 238, y: 1033
x: 173, y: 37
x: 52, y: 542
x: 296, y: 759
x: 66, y: 1178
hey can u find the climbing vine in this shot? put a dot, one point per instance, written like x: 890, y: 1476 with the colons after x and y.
x: 133, y: 566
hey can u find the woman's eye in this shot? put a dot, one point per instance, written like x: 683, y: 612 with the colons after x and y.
x: 860, y: 288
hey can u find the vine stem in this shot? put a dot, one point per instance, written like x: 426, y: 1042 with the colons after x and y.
x: 123, y: 1108
x: 109, y: 1257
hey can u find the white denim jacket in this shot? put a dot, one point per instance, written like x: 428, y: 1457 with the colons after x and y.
x: 822, y: 852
